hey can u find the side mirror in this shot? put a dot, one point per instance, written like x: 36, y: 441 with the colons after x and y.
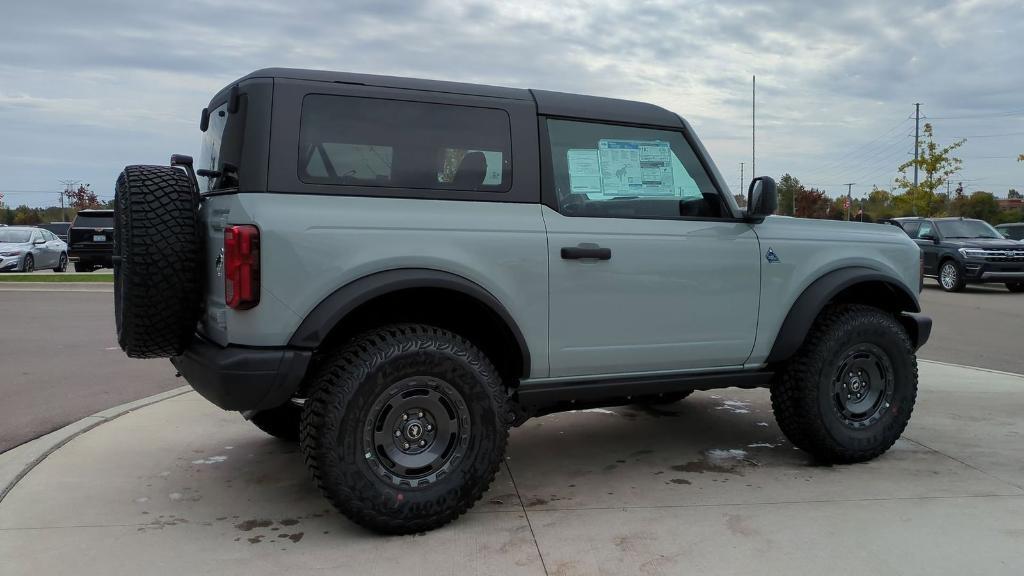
x: 40, y: 241
x: 930, y: 238
x: 762, y: 198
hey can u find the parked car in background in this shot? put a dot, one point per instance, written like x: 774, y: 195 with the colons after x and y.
x: 25, y: 249
x: 1014, y: 231
x: 91, y: 240
x: 59, y: 229
x: 961, y: 251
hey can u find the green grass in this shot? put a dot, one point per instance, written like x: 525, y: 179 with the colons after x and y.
x: 66, y: 277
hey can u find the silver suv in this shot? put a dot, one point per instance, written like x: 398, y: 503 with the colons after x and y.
x: 395, y: 271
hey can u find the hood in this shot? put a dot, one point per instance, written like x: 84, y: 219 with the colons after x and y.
x: 5, y: 246
x: 985, y: 243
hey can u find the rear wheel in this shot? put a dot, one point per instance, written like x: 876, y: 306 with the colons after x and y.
x: 951, y: 276
x: 156, y: 261
x: 29, y: 264
x: 847, y: 395
x: 1015, y: 286
x: 404, y: 428
x: 62, y: 263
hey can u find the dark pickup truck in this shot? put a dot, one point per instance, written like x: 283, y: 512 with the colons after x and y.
x: 91, y: 240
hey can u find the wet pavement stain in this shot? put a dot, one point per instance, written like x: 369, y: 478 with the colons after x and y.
x: 535, y: 502
x: 296, y: 537
x: 288, y: 522
x: 702, y: 466
x: 256, y: 539
x: 679, y: 481
x: 248, y: 525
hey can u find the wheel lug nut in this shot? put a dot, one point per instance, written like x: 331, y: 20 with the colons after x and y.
x: 398, y: 433
x: 429, y: 427
x: 405, y: 445
x: 419, y: 414
x: 423, y: 442
x: 405, y: 417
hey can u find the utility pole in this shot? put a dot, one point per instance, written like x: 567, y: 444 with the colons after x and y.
x: 849, y: 198
x: 68, y: 185
x: 741, y: 179
x: 753, y: 126
x: 917, y: 138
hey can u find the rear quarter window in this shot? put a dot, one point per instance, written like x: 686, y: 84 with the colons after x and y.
x: 93, y: 221
x: 356, y: 141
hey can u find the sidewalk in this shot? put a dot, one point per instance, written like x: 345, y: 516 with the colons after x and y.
x: 706, y: 487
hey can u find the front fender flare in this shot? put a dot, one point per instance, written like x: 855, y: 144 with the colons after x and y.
x: 820, y: 292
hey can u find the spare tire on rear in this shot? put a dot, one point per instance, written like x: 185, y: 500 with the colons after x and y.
x: 156, y: 261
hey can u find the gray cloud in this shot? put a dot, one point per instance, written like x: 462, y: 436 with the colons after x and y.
x: 86, y: 87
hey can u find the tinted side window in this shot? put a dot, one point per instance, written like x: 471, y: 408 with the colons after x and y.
x: 93, y: 221
x: 926, y: 230
x: 354, y: 141
x: 605, y: 170
x: 222, y: 147
x: 911, y: 228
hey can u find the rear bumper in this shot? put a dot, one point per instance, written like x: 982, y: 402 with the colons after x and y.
x: 90, y: 254
x: 242, y: 379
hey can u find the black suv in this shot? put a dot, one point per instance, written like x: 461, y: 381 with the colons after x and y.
x: 91, y: 240
x: 961, y: 251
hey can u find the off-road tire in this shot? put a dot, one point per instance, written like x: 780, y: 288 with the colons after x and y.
x: 345, y: 389
x: 156, y: 261
x: 802, y: 393
x: 62, y: 263
x: 281, y: 422
x: 28, y: 264
x: 1015, y: 286
x: 958, y: 282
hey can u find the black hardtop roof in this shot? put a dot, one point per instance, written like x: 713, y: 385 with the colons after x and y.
x: 548, y: 103
x: 96, y: 211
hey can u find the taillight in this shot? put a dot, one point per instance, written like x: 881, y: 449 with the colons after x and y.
x: 241, y: 266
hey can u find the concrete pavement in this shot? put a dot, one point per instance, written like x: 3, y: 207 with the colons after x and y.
x: 707, y: 486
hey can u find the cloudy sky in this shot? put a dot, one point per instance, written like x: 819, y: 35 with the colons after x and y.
x: 87, y: 87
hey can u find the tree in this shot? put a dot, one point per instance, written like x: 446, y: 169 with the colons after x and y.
x: 980, y: 205
x: 787, y: 188
x: 82, y: 198
x: 811, y: 203
x: 879, y: 204
x: 937, y: 164
x: 25, y: 216
x: 1014, y: 195
x: 741, y: 200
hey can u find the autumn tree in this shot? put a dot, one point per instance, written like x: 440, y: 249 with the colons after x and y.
x: 936, y: 164
x: 82, y: 198
x: 811, y: 203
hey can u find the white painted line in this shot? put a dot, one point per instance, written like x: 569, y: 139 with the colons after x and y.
x: 19, y: 289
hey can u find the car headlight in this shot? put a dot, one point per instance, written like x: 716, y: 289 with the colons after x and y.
x: 972, y: 253
x: 11, y: 253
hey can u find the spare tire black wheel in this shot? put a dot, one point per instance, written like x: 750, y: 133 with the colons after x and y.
x: 156, y: 261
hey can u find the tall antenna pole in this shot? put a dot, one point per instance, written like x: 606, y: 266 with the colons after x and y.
x: 741, y: 178
x: 753, y: 126
x: 917, y: 139
x: 68, y: 185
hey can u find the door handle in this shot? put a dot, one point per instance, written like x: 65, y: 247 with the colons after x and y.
x: 586, y: 251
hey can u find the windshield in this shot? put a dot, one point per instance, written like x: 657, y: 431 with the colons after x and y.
x: 221, y: 152
x: 14, y: 236
x: 967, y: 229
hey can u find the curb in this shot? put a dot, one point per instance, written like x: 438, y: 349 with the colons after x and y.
x: 17, y: 462
x: 979, y: 368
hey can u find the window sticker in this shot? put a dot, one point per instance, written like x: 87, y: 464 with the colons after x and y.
x: 635, y: 167
x: 584, y: 171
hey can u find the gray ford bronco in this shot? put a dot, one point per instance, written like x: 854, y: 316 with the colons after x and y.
x: 394, y: 272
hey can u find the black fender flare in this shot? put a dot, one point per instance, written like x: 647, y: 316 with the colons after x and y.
x: 820, y: 292
x: 319, y: 323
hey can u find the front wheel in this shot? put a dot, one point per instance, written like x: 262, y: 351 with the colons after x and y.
x: 29, y: 265
x: 847, y: 395
x: 405, y: 427
x: 1015, y: 286
x: 951, y: 276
